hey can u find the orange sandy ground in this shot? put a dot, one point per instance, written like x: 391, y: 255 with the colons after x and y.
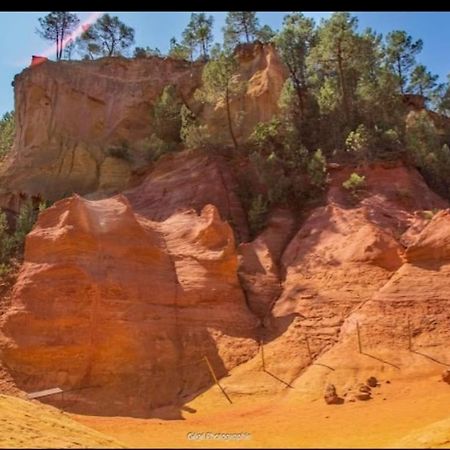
x: 412, y: 413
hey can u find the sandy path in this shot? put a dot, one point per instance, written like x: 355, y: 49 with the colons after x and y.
x: 397, y: 409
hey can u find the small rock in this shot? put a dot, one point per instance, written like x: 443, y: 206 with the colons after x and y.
x: 372, y: 381
x: 363, y: 395
x: 363, y: 388
x: 388, y: 382
x: 446, y: 376
x: 330, y: 396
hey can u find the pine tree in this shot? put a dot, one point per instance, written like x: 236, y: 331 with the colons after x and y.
x: 238, y: 25
x: 56, y: 27
x: 198, y: 33
x: 401, y: 53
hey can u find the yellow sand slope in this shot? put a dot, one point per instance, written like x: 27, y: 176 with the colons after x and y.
x: 26, y: 424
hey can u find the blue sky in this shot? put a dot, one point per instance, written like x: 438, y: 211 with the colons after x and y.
x: 19, y: 40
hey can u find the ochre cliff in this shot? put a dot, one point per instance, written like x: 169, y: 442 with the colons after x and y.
x: 108, y: 298
x: 70, y: 114
x: 83, y: 126
x: 126, y: 288
x: 347, y: 256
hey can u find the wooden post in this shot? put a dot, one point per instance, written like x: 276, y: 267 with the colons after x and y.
x: 359, y: 337
x: 309, y: 349
x: 409, y: 336
x: 215, y: 379
x: 261, y: 344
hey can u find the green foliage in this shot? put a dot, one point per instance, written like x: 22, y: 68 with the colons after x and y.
x: 239, y: 24
x: 401, y: 54
x: 179, y: 51
x: 265, y: 34
x: 430, y: 155
x: 265, y: 135
x: 193, y: 135
x: 285, y: 167
x: 422, y: 81
x: 221, y: 84
x: 24, y: 223
x: 294, y: 42
x: 166, y: 114
x: 12, y: 242
x: 56, y: 26
x: 317, y: 169
x: 6, y: 240
x: 354, y: 183
x: 198, y: 34
x: 443, y: 99
x: 108, y: 36
x: 7, y: 132
x: 156, y: 147
x: 147, y: 52
x: 257, y: 214
x: 359, y: 143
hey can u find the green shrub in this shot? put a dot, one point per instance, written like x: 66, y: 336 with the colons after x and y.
x: 317, y: 169
x: 429, y: 154
x: 193, y: 134
x: 7, y: 130
x: 12, y: 243
x: 266, y: 135
x: 355, y: 183
x: 156, y: 147
x: 257, y: 214
x: 359, y: 143
x: 167, y: 115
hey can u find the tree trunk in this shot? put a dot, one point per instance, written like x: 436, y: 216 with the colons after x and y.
x: 57, y: 44
x: 204, y: 49
x: 246, y: 31
x: 301, y: 101
x: 400, y: 74
x: 61, y: 45
x: 230, y: 127
x: 342, y: 83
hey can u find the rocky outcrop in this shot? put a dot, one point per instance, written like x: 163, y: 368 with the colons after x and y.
x: 346, y: 254
x: 189, y: 180
x: 70, y: 114
x: 259, y: 268
x: 126, y: 308
x: 261, y: 75
x: 84, y: 126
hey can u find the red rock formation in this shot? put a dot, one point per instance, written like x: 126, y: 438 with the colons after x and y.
x: 108, y: 298
x: 264, y: 74
x: 259, y: 262
x: 189, y: 180
x: 341, y: 257
x: 70, y: 115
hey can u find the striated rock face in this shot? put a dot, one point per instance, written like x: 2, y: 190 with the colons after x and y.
x: 259, y: 268
x: 83, y: 126
x: 110, y: 301
x: 189, y: 180
x: 263, y: 75
x: 69, y: 114
x: 343, y: 255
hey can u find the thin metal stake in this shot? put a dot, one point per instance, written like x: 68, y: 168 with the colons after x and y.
x: 261, y: 344
x: 216, y: 380
x: 359, y: 337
